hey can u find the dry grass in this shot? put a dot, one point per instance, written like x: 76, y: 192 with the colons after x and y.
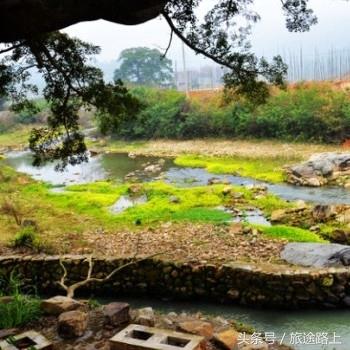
x: 251, y: 149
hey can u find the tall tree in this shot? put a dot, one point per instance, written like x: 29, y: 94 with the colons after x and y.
x: 144, y: 66
x: 26, y: 31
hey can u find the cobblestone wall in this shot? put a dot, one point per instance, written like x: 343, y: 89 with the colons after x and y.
x: 242, y: 284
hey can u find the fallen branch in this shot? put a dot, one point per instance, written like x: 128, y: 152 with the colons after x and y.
x: 70, y: 290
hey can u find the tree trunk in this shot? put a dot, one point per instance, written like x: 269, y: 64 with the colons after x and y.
x: 21, y: 19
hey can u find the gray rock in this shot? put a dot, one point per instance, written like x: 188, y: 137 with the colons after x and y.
x: 316, y: 254
x: 319, y: 169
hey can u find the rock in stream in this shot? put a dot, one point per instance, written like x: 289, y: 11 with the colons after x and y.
x: 319, y: 170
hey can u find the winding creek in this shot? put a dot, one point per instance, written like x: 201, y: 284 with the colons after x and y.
x: 117, y: 166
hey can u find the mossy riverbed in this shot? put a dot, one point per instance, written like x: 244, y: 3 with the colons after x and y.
x: 88, y: 206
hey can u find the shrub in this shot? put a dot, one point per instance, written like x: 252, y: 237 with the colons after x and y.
x: 307, y: 112
x: 160, y: 117
x: 26, y: 237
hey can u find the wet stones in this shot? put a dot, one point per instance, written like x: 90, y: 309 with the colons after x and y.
x: 218, y: 181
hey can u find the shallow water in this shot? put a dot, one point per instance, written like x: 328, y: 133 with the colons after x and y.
x: 117, y: 166
x: 125, y: 202
x: 278, y: 322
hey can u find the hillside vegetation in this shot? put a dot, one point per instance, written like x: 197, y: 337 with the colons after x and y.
x: 315, y: 112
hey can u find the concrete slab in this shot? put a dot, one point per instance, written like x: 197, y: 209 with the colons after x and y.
x: 137, y: 337
x: 26, y: 341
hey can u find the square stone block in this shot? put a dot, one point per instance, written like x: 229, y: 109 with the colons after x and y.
x: 26, y: 341
x: 137, y: 337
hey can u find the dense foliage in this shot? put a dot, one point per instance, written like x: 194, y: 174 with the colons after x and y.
x: 72, y: 82
x: 144, y: 66
x: 315, y: 112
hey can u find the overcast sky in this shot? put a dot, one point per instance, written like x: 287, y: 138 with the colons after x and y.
x: 269, y: 36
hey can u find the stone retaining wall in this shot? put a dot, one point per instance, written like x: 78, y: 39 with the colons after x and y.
x: 266, y: 286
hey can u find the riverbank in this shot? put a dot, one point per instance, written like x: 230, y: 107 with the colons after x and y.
x: 250, y: 149
x: 214, y: 223
x: 262, y: 160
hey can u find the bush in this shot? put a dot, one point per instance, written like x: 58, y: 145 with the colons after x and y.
x: 160, y: 117
x: 307, y: 113
x: 26, y: 237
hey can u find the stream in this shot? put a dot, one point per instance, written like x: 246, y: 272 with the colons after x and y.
x: 117, y: 166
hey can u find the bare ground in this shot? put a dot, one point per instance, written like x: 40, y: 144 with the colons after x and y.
x: 235, y: 148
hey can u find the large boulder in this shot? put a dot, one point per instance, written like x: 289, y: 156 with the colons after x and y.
x: 59, y: 304
x: 319, y: 170
x: 316, y: 254
x: 72, y: 324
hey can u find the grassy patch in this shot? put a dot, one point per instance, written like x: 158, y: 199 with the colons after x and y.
x: 291, y: 234
x: 191, y: 204
x: 21, y: 310
x: 34, y: 201
x: 266, y: 170
x: 17, y: 138
x: 83, y: 208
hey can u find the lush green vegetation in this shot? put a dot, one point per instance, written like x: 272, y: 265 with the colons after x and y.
x: 259, y: 169
x: 306, y: 112
x: 161, y: 115
x: 89, y: 205
x: 292, y: 234
x: 164, y: 203
x: 21, y: 309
